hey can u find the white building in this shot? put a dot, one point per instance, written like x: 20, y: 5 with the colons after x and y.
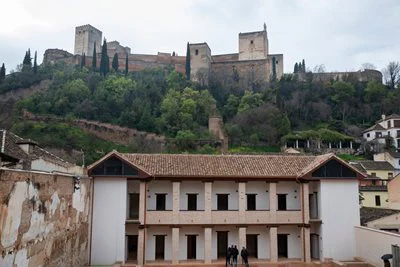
x: 173, y: 208
x: 386, y: 127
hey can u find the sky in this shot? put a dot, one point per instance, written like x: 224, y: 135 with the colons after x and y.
x: 340, y: 34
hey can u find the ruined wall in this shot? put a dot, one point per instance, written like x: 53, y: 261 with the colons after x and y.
x: 355, y: 76
x: 51, y: 56
x: 43, y: 220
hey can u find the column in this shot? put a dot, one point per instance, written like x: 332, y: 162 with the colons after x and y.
x: 308, y: 143
x: 305, y: 205
x: 305, y: 244
x: 242, y: 202
x: 340, y: 144
x: 242, y: 238
x: 351, y: 144
x: 207, y: 245
x: 273, y: 201
x: 330, y: 145
x: 297, y: 143
x: 176, y: 193
x: 273, y: 245
x: 207, y: 202
x: 142, y: 201
x: 175, y: 245
x: 141, y: 249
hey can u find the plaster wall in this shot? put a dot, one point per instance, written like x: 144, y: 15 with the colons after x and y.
x: 369, y: 199
x: 109, y: 215
x: 233, y: 237
x: 292, y: 189
x: 43, y: 220
x: 151, y: 243
x: 339, y: 212
x: 229, y: 187
x: 199, y: 232
x: 394, y: 193
x: 294, y: 240
x: 159, y: 187
x: 191, y: 187
x: 263, y: 240
x: 42, y: 165
x: 262, y: 194
x: 372, y: 244
x: 391, y: 222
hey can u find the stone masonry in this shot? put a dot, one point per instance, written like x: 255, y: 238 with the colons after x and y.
x: 44, y: 219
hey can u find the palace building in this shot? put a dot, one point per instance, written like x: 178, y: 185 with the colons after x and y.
x: 171, y: 209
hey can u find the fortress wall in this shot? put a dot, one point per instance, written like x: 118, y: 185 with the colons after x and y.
x: 279, y: 64
x: 226, y: 57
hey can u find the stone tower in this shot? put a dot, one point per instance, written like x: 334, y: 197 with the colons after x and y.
x: 85, y: 38
x: 200, y: 62
x: 253, y: 45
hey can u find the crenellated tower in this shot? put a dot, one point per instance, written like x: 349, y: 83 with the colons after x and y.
x: 86, y: 37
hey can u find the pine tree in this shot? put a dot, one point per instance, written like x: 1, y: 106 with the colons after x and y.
x: 2, y: 73
x: 104, y: 60
x: 115, y: 63
x: 304, y: 65
x: 126, y: 65
x: 188, y: 62
x: 35, y: 63
x: 94, y: 61
x: 83, y: 60
x: 296, y: 68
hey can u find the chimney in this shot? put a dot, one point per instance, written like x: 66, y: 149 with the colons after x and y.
x: 27, y: 145
x: 383, y: 117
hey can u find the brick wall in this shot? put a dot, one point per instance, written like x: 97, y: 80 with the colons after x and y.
x: 43, y: 220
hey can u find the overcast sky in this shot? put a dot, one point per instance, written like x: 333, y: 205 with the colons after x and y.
x: 341, y: 34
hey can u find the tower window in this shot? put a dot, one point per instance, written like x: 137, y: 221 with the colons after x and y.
x: 197, y: 52
x: 251, y: 42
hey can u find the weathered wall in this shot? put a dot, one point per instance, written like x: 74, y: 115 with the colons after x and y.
x: 358, y: 76
x: 253, y: 45
x: 86, y: 37
x: 43, y: 221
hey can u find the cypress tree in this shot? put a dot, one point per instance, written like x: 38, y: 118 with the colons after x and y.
x: 304, y: 65
x: 94, y: 61
x: 115, y: 63
x: 126, y: 65
x: 27, y: 62
x: 83, y: 61
x: 188, y: 62
x: 29, y: 59
x: 104, y: 60
x: 273, y: 69
x: 296, y: 68
x: 35, y: 63
x: 2, y: 73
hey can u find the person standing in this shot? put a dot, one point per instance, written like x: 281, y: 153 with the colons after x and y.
x: 235, y: 253
x: 228, y: 256
x: 245, y: 256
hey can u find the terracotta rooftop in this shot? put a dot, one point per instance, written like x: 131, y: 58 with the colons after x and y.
x: 374, y: 127
x: 372, y: 214
x: 194, y: 165
x: 364, y: 165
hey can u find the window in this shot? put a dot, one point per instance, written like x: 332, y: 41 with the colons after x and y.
x: 281, y: 201
x: 378, y: 201
x: 222, y: 202
x: 390, y: 175
x: 251, y: 42
x: 367, y: 134
x: 373, y: 174
x: 378, y: 134
x: 251, y: 201
x: 192, y: 201
x: 196, y: 52
x: 160, y: 201
x: 398, y: 133
x: 134, y: 206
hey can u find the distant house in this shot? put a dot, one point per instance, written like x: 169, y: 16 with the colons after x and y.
x: 379, y: 172
x: 171, y: 209
x: 381, y: 219
x: 387, y: 128
x: 20, y: 153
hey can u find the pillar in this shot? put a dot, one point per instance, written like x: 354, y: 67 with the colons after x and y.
x: 297, y: 143
x: 207, y: 245
x: 340, y: 144
x: 176, y: 193
x: 273, y: 245
x: 308, y: 143
x: 305, y: 244
x: 242, y: 237
x: 273, y: 201
x: 242, y: 202
x: 207, y: 202
x: 175, y: 245
x: 142, y: 201
x: 141, y: 249
x: 305, y: 205
x: 330, y: 145
x: 351, y: 144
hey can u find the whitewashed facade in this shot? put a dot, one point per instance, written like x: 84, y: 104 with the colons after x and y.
x: 163, y: 214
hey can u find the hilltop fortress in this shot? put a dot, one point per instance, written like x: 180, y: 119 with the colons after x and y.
x: 252, y: 64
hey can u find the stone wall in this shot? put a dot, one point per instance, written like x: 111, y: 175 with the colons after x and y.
x: 355, y: 76
x: 44, y: 221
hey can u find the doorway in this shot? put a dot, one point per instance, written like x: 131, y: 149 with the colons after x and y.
x: 134, y: 206
x: 160, y: 246
x: 191, y: 247
x: 252, y: 245
x: 222, y: 241
x: 314, y: 246
x: 283, y: 245
x: 132, y: 247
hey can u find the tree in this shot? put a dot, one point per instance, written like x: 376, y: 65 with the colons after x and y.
x: 187, y: 67
x: 2, y: 73
x: 83, y: 60
x: 104, y: 60
x: 273, y: 78
x: 303, y: 65
x: 368, y: 66
x: 392, y: 74
x: 296, y: 68
x: 115, y: 63
x: 94, y: 61
x: 249, y: 101
x: 35, y: 63
x: 343, y: 93
x: 126, y: 65
x: 27, y: 62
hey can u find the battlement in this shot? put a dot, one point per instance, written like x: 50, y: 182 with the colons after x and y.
x: 87, y: 27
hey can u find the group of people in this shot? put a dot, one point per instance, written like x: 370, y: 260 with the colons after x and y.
x: 232, y: 255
